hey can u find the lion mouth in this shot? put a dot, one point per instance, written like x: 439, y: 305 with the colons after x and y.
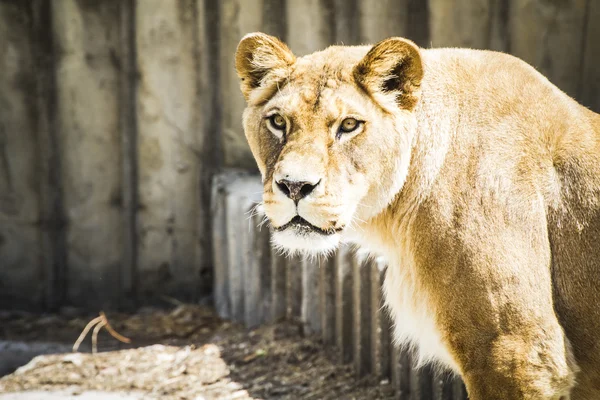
x: 300, y: 225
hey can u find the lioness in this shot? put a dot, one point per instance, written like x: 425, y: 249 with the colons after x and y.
x: 475, y: 177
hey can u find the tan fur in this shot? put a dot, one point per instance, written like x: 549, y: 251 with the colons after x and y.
x: 476, y: 178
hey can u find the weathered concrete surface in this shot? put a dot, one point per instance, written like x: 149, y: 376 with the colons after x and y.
x: 20, y: 260
x: 237, y: 18
x: 347, y: 22
x: 87, y: 76
x: 312, y: 27
x: 549, y: 35
x: 479, y: 24
x: 234, y: 194
x: 590, y: 78
x: 169, y: 153
x: 382, y: 19
x: 242, y: 194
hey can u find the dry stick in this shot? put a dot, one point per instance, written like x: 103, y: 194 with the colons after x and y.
x: 85, y: 332
x: 99, y: 322
x: 112, y: 332
x: 95, y: 335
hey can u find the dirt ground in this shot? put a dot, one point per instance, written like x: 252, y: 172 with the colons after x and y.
x: 183, y: 353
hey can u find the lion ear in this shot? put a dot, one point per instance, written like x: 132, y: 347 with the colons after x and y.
x: 261, y: 61
x: 391, y: 73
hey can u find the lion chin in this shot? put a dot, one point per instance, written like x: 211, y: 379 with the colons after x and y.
x: 294, y: 240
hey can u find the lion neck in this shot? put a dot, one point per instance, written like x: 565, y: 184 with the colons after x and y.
x: 386, y: 232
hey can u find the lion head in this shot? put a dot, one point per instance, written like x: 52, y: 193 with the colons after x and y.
x: 331, y: 133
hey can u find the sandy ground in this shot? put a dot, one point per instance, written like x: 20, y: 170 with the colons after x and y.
x: 182, y: 353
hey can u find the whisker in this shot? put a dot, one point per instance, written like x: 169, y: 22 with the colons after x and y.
x: 254, y: 211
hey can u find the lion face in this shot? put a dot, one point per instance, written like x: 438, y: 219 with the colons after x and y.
x: 331, y: 133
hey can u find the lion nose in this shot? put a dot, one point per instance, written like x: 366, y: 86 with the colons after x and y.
x: 296, y: 190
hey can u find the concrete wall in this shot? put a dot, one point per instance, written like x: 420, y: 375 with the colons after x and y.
x: 105, y: 156
x: 115, y: 114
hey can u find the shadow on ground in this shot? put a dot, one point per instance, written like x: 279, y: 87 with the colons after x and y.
x: 182, y: 353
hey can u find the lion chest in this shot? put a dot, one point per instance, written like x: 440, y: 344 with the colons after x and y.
x: 412, y: 313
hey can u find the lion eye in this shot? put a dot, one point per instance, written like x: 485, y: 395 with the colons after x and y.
x: 349, y: 125
x: 277, y: 121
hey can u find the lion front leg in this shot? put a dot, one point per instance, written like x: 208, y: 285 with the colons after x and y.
x: 505, y: 338
x: 488, y: 276
x: 531, y: 365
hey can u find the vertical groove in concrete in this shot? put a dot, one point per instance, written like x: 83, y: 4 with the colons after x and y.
x: 278, y: 286
x: 311, y: 320
x: 209, y: 143
x: 293, y: 287
x: 418, y: 29
x: 219, y: 248
x: 380, y: 323
x: 344, y: 308
x: 235, y: 258
x: 251, y: 257
x: 264, y: 269
x: 400, y: 371
x: 362, y: 314
x: 442, y: 385
x: 327, y: 300
x: 274, y: 18
x: 52, y: 216
x: 421, y: 383
x: 128, y: 127
x: 459, y: 392
x: 212, y: 145
x: 347, y: 22
x: 255, y: 255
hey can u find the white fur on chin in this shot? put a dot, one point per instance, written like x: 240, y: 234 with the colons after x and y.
x: 311, y: 244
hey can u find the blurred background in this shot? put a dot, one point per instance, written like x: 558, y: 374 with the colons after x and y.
x: 116, y: 114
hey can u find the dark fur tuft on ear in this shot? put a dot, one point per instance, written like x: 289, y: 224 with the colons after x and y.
x: 392, y: 69
x: 260, y: 61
